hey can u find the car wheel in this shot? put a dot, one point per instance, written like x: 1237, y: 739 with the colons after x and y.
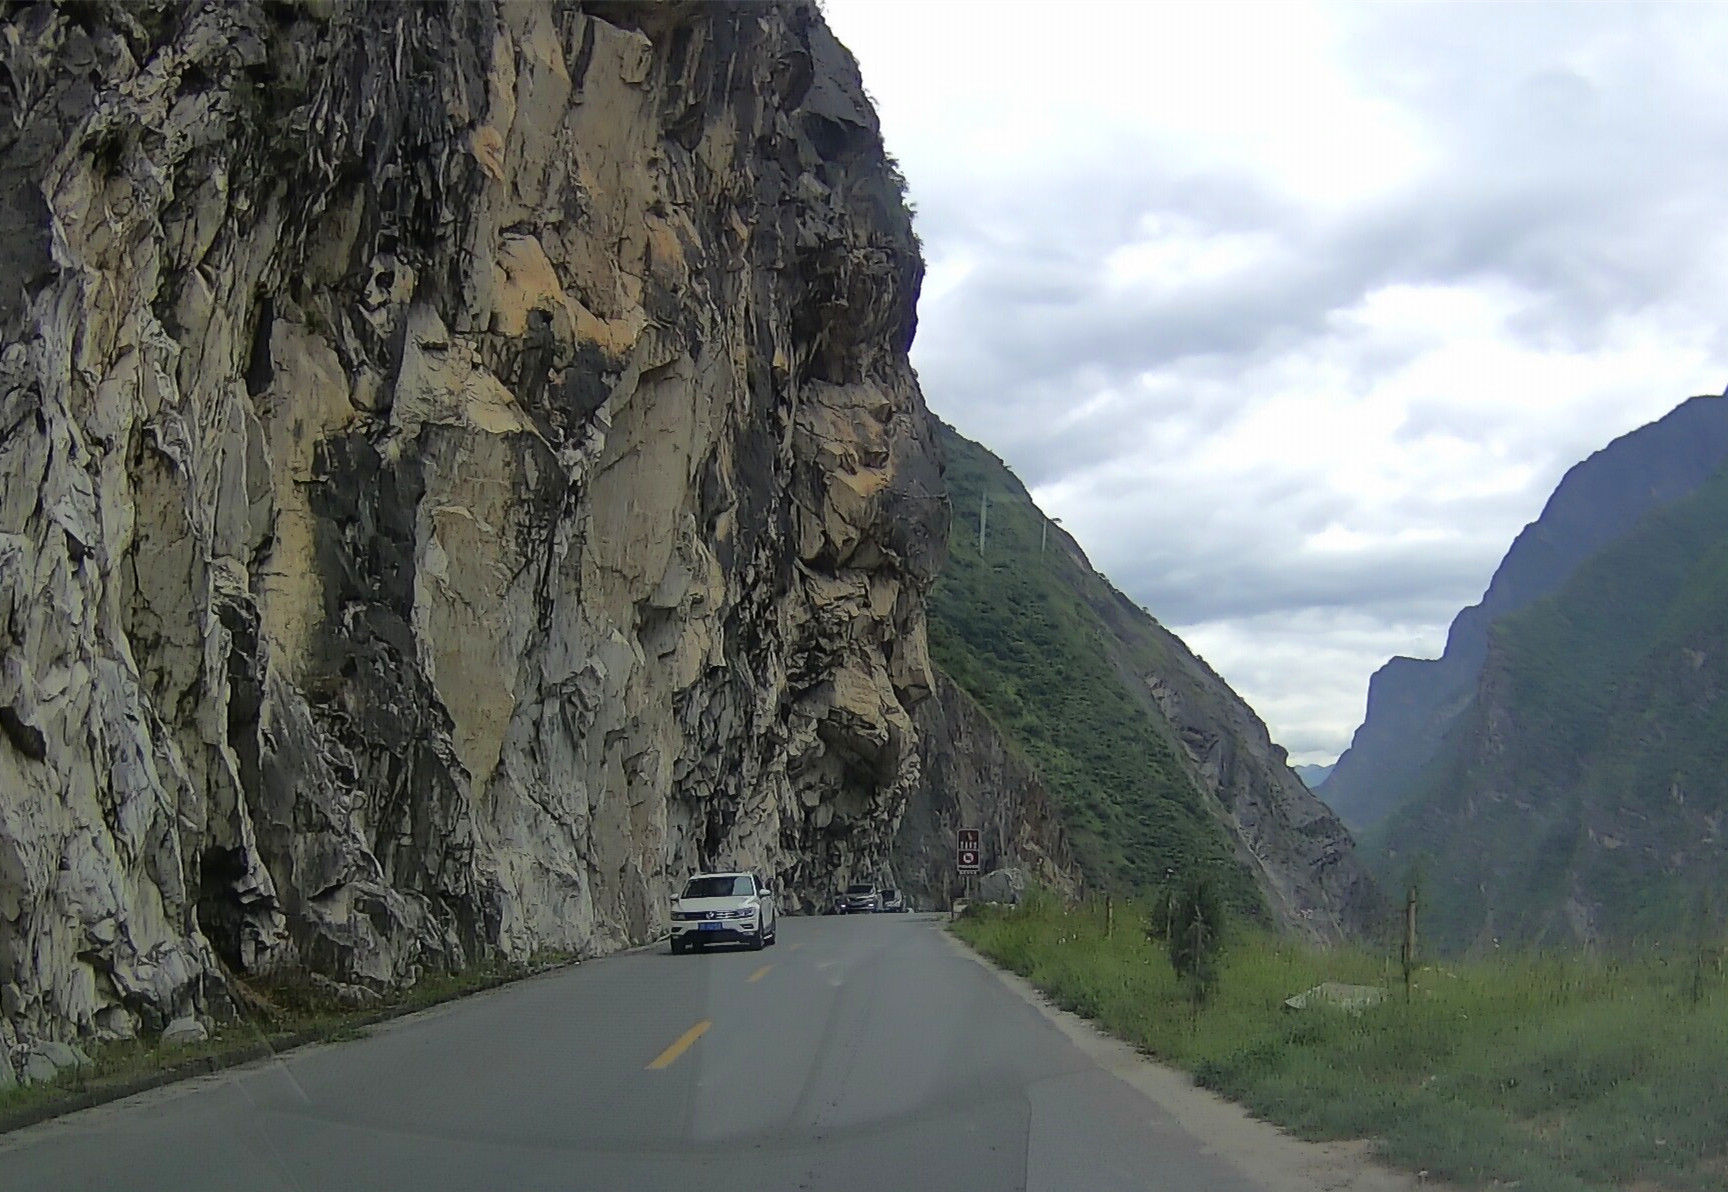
x: 759, y: 940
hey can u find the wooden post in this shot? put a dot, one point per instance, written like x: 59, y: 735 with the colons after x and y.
x: 1409, y: 956
x: 1109, y: 915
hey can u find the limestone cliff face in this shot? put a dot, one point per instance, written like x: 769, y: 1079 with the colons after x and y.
x: 459, y: 471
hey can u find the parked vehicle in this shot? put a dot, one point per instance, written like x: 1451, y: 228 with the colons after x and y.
x: 858, y: 898
x: 717, y: 908
x: 892, y: 903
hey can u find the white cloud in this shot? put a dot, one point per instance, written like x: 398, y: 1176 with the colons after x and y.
x: 1295, y: 314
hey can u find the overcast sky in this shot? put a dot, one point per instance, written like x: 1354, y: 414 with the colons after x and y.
x: 1295, y: 314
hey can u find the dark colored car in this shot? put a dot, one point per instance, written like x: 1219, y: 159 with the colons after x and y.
x: 892, y: 903
x: 858, y: 898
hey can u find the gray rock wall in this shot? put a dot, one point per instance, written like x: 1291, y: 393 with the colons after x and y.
x: 459, y: 472
x: 971, y: 777
x: 1300, y: 854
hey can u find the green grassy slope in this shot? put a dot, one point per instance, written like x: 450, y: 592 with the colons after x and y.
x: 1584, y: 792
x: 1041, y: 642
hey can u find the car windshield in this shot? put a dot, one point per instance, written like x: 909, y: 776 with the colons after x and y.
x: 718, y: 887
x: 860, y: 889
x: 890, y: 894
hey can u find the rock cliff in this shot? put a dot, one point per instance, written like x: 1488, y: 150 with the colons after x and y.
x: 971, y: 777
x: 459, y: 471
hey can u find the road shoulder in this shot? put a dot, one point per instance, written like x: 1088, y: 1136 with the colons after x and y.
x: 1263, y: 1153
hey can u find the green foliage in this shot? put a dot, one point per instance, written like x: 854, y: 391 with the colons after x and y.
x: 1566, y: 1073
x: 1196, y: 938
x: 1047, y: 648
x: 1161, y: 913
x: 1596, y: 757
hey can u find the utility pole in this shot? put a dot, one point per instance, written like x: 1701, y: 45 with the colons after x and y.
x: 983, y: 521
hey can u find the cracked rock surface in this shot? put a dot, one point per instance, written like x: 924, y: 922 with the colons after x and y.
x: 970, y: 777
x: 459, y: 472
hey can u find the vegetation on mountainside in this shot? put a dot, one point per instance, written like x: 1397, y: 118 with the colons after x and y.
x: 1594, y: 766
x: 1548, y: 1073
x: 1019, y: 629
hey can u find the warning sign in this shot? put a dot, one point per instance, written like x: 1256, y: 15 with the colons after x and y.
x: 970, y: 851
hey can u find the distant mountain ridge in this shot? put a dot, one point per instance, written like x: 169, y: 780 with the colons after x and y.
x: 1414, y: 703
x: 1151, y: 761
x: 1313, y: 776
x: 1583, y: 793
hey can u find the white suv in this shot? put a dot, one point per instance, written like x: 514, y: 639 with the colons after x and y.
x: 724, y: 908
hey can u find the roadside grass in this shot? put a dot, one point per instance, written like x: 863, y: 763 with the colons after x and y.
x: 1560, y: 1073
x: 278, y: 1015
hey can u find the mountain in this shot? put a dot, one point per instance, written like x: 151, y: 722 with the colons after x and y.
x: 1414, y: 703
x: 1312, y: 776
x: 1582, y: 793
x: 460, y: 472
x: 1151, y: 760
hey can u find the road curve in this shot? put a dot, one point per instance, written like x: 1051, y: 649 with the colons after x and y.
x: 864, y: 1053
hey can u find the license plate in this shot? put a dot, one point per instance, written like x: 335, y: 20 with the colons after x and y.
x: 709, y: 926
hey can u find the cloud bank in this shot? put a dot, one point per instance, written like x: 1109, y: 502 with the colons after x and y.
x: 1296, y: 314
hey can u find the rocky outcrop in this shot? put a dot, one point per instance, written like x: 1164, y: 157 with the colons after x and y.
x: 1005, y: 886
x: 1300, y: 854
x: 971, y: 777
x: 1414, y: 703
x: 460, y: 471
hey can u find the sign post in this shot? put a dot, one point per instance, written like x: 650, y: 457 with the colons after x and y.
x: 969, y: 855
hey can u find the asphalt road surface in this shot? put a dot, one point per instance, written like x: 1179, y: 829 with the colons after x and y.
x: 865, y: 1052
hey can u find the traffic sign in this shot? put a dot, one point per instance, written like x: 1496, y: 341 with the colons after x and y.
x: 969, y: 853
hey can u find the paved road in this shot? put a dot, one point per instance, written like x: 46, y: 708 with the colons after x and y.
x: 860, y: 1053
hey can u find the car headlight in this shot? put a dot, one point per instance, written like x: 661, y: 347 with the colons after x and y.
x: 683, y: 916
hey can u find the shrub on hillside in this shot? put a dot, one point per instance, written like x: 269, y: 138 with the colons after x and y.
x: 1196, y: 934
